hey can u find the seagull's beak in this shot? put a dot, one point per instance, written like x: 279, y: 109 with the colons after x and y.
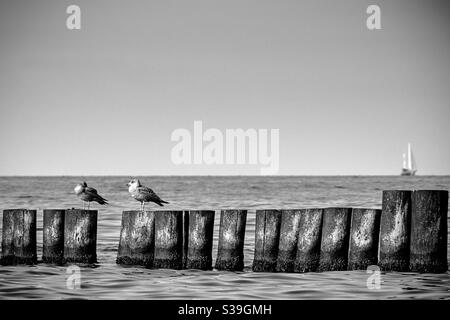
x: 128, y: 184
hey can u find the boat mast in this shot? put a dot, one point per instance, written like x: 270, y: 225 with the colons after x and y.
x: 409, y: 157
x: 413, y: 162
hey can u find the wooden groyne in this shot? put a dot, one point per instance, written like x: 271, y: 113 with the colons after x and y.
x: 68, y: 236
x: 428, y: 250
x: 230, y: 253
x: 53, y: 236
x: 200, y: 240
x: 287, y: 246
x: 335, y: 239
x: 169, y: 240
x: 364, y: 238
x: 19, y: 237
x: 267, y: 238
x: 309, y: 238
x: 409, y: 233
x: 395, y: 230
x: 137, y: 238
x: 80, y: 236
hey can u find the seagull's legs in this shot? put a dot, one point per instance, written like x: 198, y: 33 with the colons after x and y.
x: 84, y: 205
x: 143, y: 207
x: 89, y: 204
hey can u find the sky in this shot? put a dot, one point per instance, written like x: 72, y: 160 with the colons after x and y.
x: 105, y: 100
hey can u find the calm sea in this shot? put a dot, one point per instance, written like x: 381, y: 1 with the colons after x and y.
x: 106, y: 280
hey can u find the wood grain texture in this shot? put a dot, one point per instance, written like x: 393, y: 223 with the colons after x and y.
x: 19, y: 237
x: 395, y: 230
x: 309, y: 240
x: 267, y: 238
x: 364, y: 236
x: 53, y: 236
x: 80, y: 236
x: 335, y: 239
x: 201, y: 229
x: 168, y: 239
x: 230, y: 253
x: 137, y: 238
x: 428, y: 249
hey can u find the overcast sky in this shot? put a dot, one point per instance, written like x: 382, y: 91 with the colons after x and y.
x: 105, y: 99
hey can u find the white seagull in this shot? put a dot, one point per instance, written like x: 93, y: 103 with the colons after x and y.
x: 143, y: 194
x: 88, y: 194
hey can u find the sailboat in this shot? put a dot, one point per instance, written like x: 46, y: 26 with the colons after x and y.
x: 409, y: 164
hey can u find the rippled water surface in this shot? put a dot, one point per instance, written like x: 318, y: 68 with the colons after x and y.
x: 106, y: 280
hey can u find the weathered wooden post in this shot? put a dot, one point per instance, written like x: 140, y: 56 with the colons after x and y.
x: 429, y: 231
x: 335, y: 239
x: 137, y: 238
x: 201, y: 229
x: 309, y: 239
x: 185, y: 236
x: 365, y: 229
x: 287, y: 248
x: 168, y: 239
x: 80, y: 236
x: 19, y: 237
x: 230, y: 252
x: 53, y: 236
x: 395, y: 230
x: 267, y: 238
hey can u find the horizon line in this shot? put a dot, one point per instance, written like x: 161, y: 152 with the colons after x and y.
x: 222, y: 175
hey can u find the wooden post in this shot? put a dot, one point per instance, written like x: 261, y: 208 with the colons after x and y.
x: 395, y: 230
x: 267, y: 237
x: 137, y: 238
x: 429, y: 231
x: 365, y: 228
x: 335, y: 239
x: 201, y: 229
x: 53, y: 236
x: 185, y: 236
x: 230, y: 252
x: 168, y: 239
x: 19, y: 237
x: 309, y: 239
x: 287, y: 248
x: 80, y: 236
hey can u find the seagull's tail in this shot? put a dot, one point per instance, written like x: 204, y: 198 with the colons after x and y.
x: 160, y: 202
x: 101, y: 200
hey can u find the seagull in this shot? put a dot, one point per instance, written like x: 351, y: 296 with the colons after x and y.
x: 88, y: 194
x: 143, y: 194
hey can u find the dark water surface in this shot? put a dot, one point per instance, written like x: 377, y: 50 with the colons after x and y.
x: 106, y: 280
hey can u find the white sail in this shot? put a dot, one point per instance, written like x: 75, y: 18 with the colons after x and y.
x: 413, y: 163
x: 409, y: 163
x: 409, y: 157
x: 405, y: 164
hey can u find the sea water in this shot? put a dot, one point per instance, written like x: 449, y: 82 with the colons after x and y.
x: 106, y: 280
